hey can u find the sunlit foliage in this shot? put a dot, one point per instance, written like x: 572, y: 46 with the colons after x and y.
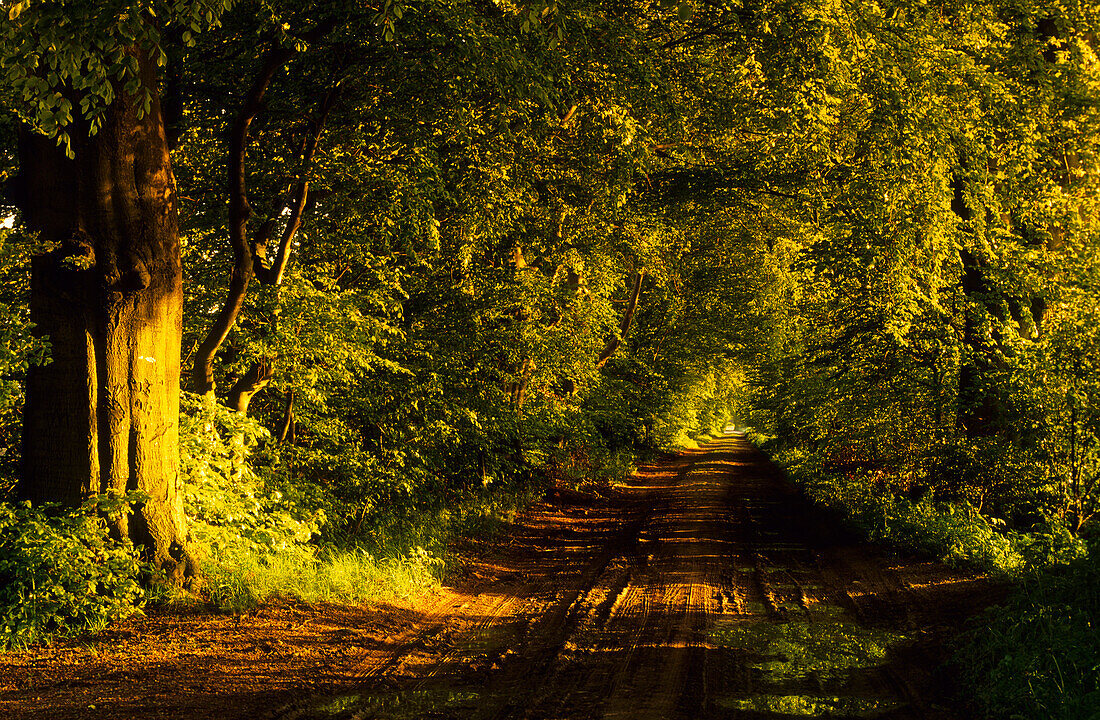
x: 526, y: 243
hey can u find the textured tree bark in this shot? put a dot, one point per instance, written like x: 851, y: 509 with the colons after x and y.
x: 103, y: 415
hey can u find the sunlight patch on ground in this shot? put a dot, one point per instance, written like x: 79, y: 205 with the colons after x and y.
x: 810, y: 668
x: 810, y: 706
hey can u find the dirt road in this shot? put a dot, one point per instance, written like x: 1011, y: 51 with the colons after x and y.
x: 704, y: 587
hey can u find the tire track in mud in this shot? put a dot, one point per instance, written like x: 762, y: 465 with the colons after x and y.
x: 703, y: 587
x: 554, y: 665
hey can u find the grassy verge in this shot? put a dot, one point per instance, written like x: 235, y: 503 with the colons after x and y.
x: 354, y: 575
x: 955, y: 532
x: 1038, y: 656
x: 406, y: 554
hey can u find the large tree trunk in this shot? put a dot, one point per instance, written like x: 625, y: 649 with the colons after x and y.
x: 103, y: 415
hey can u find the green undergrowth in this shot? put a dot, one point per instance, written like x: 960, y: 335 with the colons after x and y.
x: 1037, y: 657
x: 61, y: 573
x: 247, y: 580
x: 953, y: 531
x: 343, y: 524
x: 404, y: 555
x: 693, y: 439
x: 264, y: 537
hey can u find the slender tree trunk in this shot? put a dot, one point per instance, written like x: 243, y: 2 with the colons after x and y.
x: 628, y: 318
x: 202, y: 373
x: 976, y: 406
x: 288, y: 418
x: 103, y: 415
x: 250, y: 258
x: 519, y: 388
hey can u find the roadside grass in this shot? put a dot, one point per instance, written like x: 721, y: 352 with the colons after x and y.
x: 957, y: 533
x: 353, y: 575
x: 810, y: 667
x: 1037, y: 657
x: 407, y: 553
x: 682, y: 441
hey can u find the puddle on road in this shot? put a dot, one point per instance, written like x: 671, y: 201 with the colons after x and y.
x: 811, y: 669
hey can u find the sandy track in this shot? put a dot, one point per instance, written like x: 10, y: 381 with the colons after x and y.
x: 703, y: 587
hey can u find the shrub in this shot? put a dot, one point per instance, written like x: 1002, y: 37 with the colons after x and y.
x: 954, y: 531
x: 61, y: 573
x: 230, y: 508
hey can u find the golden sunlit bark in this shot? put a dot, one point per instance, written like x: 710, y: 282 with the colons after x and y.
x: 103, y: 415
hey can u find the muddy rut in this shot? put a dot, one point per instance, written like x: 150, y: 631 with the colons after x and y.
x: 702, y: 587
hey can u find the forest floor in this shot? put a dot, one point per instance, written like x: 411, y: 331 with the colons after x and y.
x: 702, y: 587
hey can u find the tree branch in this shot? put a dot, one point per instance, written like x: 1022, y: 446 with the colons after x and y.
x: 253, y: 381
x: 202, y: 375
x: 700, y: 34
x: 288, y: 418
x: 274, y: 275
